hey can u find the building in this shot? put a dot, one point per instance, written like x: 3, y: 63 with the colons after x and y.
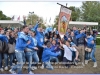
x: 82, y: 24
x: 5, y: 23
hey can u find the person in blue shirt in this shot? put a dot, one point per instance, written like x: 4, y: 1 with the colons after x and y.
x: 91, y: 44
x: 55, y: 48
x: 21, y: 43
x: 47, y: 53
x: 35, y: 56
x: 67, y: 35
x: 31, y: 51
x: 76, y: 32
x: 40, y: 39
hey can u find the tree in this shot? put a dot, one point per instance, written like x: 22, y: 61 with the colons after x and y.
x: 33, y: 18
x: 56, y: 22
x: 75, y: 15
x: 90, y: 11
x: 3, y: 16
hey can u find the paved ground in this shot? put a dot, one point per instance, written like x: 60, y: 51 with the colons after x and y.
x: 74, y: 69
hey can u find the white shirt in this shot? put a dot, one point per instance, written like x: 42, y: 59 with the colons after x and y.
x: 68, y: 52
x: 35, y: 42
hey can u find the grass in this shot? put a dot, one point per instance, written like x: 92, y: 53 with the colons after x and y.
x: 98, y: 46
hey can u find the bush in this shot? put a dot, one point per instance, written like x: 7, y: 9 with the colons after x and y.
x: 98, y: 41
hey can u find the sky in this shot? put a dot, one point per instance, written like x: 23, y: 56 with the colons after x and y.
x: 43, y: 9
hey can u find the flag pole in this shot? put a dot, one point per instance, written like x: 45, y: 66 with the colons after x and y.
x: 63, y: 5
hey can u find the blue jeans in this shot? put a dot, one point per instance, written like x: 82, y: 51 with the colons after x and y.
x: 35, y: 57
x: 89, y: 55
x: 6, y: 59
x: 11, y: 58
x: 54, y: 59
x: 48, y: 65
x: 20, y: 56
x: 0, y: 60
x: 92, y: 54
x: 29, y: 59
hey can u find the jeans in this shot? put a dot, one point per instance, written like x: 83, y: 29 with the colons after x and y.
x: 29, y: 59
x: 0, y: 60
x: 89, y: 55
x: 6, y: 59
x: 54, y: 59
x: 48, y: 65
x: 11, y: 58
x: 20, y: 56
x: 92, y: 54
x: 35, y: 57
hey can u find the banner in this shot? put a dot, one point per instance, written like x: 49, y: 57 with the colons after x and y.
x: 64, y: 18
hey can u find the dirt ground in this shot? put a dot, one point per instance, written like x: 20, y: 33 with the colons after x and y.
x: 87, y: 69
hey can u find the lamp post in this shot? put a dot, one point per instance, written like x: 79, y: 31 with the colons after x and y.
x: 31, y: 16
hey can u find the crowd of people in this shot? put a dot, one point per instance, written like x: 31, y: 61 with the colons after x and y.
x: 32, y: 44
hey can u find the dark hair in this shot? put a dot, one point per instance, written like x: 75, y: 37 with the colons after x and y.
x: 88, y: 33
x: 23, y: 27
x: 48, y: 44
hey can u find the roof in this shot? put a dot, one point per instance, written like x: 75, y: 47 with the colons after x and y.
x: 4, y: 22
x: 83, y: 23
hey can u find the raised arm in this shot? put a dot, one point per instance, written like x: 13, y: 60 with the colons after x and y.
x: 36, y: 27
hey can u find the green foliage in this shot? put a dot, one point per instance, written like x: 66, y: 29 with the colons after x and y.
x: 98, y: 41
x: 34, y: 19
x: 75, y: 15
x: 90, y: 11
x: 3, y: 16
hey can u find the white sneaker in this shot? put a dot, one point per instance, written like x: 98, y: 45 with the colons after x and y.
x: 6, y: 68
x: 13, y: 63
x: 86, y: 61
x: 34, y: 68
x: 42, y: 67
x: 1, y: 70
x: 95, y: 64
x: 31, y: 72
x: 83, y: 64
x: 13, y: 72
x: 15, y: 59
